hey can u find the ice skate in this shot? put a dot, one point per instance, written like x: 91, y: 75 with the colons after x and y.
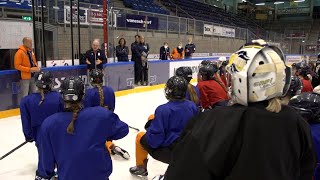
x: 139, y: 171
x: 121, y: 152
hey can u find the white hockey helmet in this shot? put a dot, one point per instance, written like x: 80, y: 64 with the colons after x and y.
x: 258, y: 73
x: 222, y: 58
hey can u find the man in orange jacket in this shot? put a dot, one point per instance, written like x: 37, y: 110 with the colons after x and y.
x: 25, y: 62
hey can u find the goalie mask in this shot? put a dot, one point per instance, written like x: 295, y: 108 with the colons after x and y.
x: 258, y: 73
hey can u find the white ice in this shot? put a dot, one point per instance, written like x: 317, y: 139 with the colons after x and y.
x: 133, y: 109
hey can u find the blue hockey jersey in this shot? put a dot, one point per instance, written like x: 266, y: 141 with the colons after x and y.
x: 169, y: 121
x: 83, y: 155
x: 315, y: 132
x: 92, y: 98
x: 197, y: 92
x: 32, y: 115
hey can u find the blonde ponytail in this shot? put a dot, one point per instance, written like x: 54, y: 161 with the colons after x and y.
x: 101, y: 95
x: 42, y: 96
x: 274, y: 105
x: 193, y: 95
x: 75, y: 108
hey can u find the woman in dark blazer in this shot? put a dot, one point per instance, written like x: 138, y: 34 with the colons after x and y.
x: 122, y: 51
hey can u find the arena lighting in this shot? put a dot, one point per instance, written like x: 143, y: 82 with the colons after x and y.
x: 3, y: 2
x: 55, y: 7
x: 278, y: 2
x: 297, y: 1
x: 260, y: 4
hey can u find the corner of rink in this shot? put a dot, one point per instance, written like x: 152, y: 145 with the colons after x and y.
x: 9, y: 113
x: 132, y: 108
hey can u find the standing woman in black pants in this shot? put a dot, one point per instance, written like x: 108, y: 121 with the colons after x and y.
x: 144, y: 58
x: 136, y: 58
x: 122, y: 51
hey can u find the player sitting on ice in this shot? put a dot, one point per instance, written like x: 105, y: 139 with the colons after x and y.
x: 224, y: 74
x: 212, y: 90
x: 303, y: 72
x: 257, y: 138
x: 74, y: 140
x: 36, y: 107
x: 308, y: 105
x: 192, y: 93
x: 164, y: 130
x: 103, y: 96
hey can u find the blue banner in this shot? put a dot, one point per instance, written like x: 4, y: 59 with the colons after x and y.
x: 138, y: 21
x: 16, y: 4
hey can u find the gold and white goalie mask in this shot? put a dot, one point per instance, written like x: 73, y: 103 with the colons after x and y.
x: 258, y: 73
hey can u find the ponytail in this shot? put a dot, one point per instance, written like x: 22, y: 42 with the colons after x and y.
x: 101, y: 95
x: 74, y: 108
x: 218, y: 80
x: 274, y: 105
x: 193, y: 95
x: 42, y: 96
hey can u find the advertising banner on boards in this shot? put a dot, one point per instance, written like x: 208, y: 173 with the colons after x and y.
x: 218, y: 31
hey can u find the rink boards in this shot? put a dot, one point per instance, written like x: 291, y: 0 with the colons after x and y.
x: 120, y: 76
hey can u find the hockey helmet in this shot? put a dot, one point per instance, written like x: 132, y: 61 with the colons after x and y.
x: 176, y: 88
x: 258, y: 73
x: 72, y: 89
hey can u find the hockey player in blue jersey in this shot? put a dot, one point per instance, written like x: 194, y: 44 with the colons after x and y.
x: 164, y: 130
x: 103, y: 96
x: 74, y: 140
x: 193, y: 93
x: 36, y: 107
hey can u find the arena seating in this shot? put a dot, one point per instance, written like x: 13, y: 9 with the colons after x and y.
x: 144, y: 5
x: 210, y: 13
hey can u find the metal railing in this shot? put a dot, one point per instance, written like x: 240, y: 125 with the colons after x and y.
x: 170, y: 27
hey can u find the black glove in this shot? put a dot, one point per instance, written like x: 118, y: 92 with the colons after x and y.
x: 30, y: 140
x: 147, y: 125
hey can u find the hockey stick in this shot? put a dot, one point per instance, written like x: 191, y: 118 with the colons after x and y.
x: 134, y: 128
x: 13, y: 150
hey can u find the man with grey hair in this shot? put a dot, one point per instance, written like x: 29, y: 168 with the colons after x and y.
x: 94, y: 57
x: 25, y: 62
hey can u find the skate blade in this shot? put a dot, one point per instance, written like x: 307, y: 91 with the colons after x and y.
x: 140, y: 176
x: 126, y: 156
x: 123, y: 154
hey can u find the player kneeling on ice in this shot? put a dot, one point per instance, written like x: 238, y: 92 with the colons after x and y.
x: 212, y: 90
x: 36, y: 107
x: 192, y: 93
x: 308, y: 105
x: 257, y: 138
x: 74, y: 140
x: 103, y: 96
x: 164, y: 130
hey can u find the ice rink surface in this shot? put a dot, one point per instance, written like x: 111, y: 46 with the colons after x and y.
x: 133, y: 109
